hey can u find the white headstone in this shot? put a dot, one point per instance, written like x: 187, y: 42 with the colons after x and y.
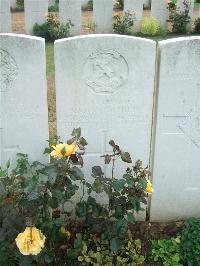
x: 23, y: 94
x: 136, y: 7
x: 35, y: 11
x: 177, y: 141
x: 159, y: 11
x: 101, y: 86
x: 181, y: 6
x: 147, y: 3
x: 71, y: 10
x: 5, y: 16
x: 51, y: 2
x: 103, y: 15
x: 13, y: 3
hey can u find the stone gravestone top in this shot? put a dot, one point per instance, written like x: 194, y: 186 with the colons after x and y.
x: 102, y: 87
x: 103, y: 16
x: 177, y: 141
x: 71, y: 10
x: 35, y: 11
x: 136, y: 8
x: 159, y: 11
x: 23, y: 106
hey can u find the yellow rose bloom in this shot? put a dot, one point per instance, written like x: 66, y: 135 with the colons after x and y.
x: 149, y: 189
x: 31, y: 241
x: 63, y: 150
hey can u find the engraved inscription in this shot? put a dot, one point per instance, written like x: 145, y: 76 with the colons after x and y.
x: 105, y: 115
x: 188, y: 123
x: 8, y: 70
x: 105, y: 71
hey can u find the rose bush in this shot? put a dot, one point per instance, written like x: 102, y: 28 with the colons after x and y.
x: 61, y: 227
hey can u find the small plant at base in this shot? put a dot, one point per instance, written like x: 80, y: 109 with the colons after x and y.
x: 190, y: 242
x: 126, y: 196
x: 90, y: 26
x: 150, y: 27
x: 123, y: 24
x: 179, y: 19
x: 166, y: 251
x: 101, y: 254
x: 19, y: 5
x: 119, y: 4
x: 54, y: 7
x: 52, y: 29
x: 88, y: 6
x: 197, y: 26
x: 35, y: 197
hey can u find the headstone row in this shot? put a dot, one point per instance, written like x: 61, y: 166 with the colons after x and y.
x: 35, y: 11
x: 109, y: 86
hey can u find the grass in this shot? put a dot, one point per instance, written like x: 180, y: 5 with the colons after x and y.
x: 51, y: 95
x: 196, y: 5
x: 50, y: 59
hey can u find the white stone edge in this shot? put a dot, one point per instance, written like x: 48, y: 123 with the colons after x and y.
x: 179, y: 39
x: 103, y: 35
x: 23, y: 36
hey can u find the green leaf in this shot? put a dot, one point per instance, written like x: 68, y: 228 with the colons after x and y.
x: 47, y: 151
x: 80, y: 258
x: 121, y: 226
x: 115, y: 244
x: 76, y: 132
x: 49, y: 258
x: 76, y: 173
x: 125, y: 156
x: 119, y: 184
x: 130, y: 217
x: 70, y: 141
x: 143, y: 183
x: 83, y: 141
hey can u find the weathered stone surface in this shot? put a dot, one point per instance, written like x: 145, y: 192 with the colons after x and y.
x: 159, y: 11
x: 71, y: 10
x: 5, y: 16
x: 23, y: 95
x: 177, y: 140
x: 102, y: 87
x: 35, y: 11
x: 136, y: 7
x: 103, y: 15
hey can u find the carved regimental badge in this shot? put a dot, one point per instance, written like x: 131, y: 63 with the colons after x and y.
x: 105, y: 71
x: 8, y: 70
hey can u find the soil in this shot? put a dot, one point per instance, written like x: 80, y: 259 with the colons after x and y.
x: 147, y: 231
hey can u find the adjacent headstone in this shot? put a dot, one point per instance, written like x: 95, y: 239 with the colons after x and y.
x: 101, y: 86
x: 159, y: 11
x: 147, y: 3
x: 23, y: 96
x: 135, y: 7
x: 13, y: 4
x: 5, y: 16
x: 181, y: 6
x: 51, y: 2
x: 103, y: 15
x: 35, y: 11
x: 177, y: 140
x: 71, y: 10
